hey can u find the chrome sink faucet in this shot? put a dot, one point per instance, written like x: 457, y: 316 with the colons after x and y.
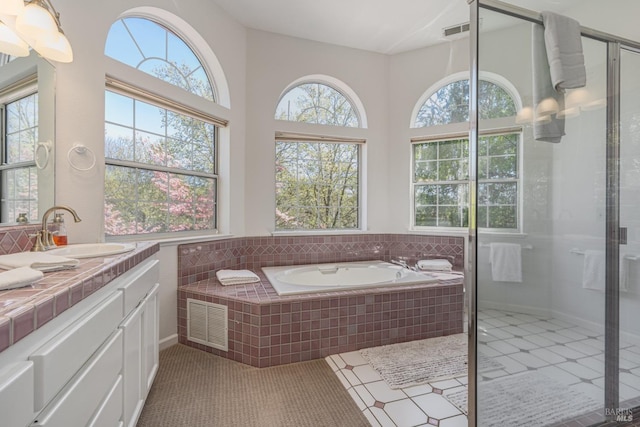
x: 44, y: 238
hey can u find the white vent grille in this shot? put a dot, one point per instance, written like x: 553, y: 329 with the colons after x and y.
x: 207, y: 324
x: 455, y: 30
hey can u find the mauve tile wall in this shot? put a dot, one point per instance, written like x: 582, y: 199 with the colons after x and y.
x: 199, y: 261
x: 16, y: 238
x: 278, y: 333
x: 271, y: 330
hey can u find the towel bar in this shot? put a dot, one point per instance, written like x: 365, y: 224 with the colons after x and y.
x: 486, y: 245
x: 629, y: 257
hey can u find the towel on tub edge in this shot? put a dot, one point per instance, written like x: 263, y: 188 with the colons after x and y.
x: 236, y: 277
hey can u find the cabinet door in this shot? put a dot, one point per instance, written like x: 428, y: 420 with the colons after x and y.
x: 151, y: 322
x: 132, y: 369
x: 16, y: 394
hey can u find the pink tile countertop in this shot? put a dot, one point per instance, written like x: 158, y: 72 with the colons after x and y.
x: 24, y: 310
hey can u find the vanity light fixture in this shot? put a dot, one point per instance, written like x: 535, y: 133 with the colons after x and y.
x: 35, y: 23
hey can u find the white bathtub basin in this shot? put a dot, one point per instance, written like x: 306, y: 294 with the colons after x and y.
x: 90, y: 250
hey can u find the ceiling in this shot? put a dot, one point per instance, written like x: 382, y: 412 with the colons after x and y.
x: 384, y: 26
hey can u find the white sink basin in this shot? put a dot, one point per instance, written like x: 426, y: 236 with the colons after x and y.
x: 90, y: 250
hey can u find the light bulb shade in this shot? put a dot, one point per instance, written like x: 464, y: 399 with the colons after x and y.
x: 547, y: 106
x: 525, y: 115
x: 11, y: 7
x: 10, y: 43
x: 35, y: 21
x: 56, y: 48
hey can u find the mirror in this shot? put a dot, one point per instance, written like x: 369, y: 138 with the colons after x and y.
x: 27, y: 125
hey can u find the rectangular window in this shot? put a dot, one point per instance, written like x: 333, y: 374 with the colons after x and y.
x: 441, y: 182
x: 160, y: 169
x: 317, y: 185
x: 18, y: 170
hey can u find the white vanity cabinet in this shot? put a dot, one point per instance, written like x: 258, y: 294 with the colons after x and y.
x: 90, y: 366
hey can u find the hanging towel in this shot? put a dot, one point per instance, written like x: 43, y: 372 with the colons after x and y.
x: 434, y: 265
x: 236, y: 277
x: 38, y: 261
x: 625, y: 271
x: 564, y: 51
x: 593, y: 272
x: 547, y: 127
x: 19, y: 278
x: 506, y: 262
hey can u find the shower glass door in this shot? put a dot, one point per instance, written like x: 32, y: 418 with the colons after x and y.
x: 629, y: 354
x: 546, y: 228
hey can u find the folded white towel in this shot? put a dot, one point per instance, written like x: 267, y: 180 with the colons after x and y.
x: 434, y: 265
x: 506, y: 262
x: 38, y: 261
x: 19, y: 277
x: 236, y: 277
x: 564, y: 51
x: 547, y: 127
x: 593, y: 271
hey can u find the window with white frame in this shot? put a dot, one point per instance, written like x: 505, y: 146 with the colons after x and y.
x: 160, y: 151
x: 317, y: 176
x: 441, y: 164
x: 19, y: 133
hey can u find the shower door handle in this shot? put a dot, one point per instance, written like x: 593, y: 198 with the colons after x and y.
x: 623, y: 235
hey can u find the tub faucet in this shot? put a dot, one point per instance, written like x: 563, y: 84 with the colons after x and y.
x: 403, y: 263
x: 44, y: 238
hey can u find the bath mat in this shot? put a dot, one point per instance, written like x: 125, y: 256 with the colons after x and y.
x: 530, y: 399
x: 422, y: 361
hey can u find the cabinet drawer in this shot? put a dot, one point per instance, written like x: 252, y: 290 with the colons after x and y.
x: 110, y: 412
x: 78, y: 401
x: 16, y: 394
x: 138, y: 284
x: 59, y: 359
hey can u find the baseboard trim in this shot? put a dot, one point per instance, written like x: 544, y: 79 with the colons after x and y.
x: 168, y: 341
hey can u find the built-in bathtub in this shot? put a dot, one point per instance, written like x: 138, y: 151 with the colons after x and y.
x: 292, y: 280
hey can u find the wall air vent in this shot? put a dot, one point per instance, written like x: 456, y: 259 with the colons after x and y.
x: 455, y: 30
x: 207, y: 324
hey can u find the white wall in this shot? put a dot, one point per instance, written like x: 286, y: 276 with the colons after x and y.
x: 274, y: 62
x: 80, y: 119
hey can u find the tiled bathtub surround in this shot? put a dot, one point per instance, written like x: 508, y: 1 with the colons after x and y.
x: 199, y: 261
x: 266, y: 329
x: 26, y: 309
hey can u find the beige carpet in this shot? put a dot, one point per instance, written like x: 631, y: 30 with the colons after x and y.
x: 194, y: 388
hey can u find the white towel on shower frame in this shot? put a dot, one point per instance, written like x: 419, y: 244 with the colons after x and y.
x: 593, y: 271
x: 506, y: 262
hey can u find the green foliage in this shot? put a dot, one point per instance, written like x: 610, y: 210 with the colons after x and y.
x: 317, y: 103
x: 316, y: 185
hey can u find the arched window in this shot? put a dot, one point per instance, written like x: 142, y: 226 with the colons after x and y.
x: 450, y: 104
x: 318, y: 175
x: 151, y: 48
x: 160, y: 147
x: 441, y: 164
x: 317, y: 103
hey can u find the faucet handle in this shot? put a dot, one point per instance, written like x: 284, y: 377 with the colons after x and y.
x: 37, y: 244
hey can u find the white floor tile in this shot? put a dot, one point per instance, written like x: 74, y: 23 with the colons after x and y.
x: 561, y: 323
x: 337, y: 361
x: 529, y: 360
x: 417, y: 390
x: 488, y: 351
x: 495, y: 374
x: 366, y: 373
x: 501, y: 334
x: 351, y: 377
x: 503, y: 347
x: 436, y: 406
x: 382, y: 417
x: 630, y: 380
x: 443, y: 385
x: 405, y: 413
x: 578, y: 370
x: 510, y: 365
x: 526, y: 318
x: 559, y: 375
x: 382, y: 393
x: 343, y: 380
x: 557, y: 338
x: 572, y: 334
x: 590, y: 390
x: 457, y: 421
x: 331, y: 363
x: 463, y: 380
x: 495, y: 322
x: 567, y: 352
x: 583, y: 348
x: 371, y: 418
x: 595, y: 343
x: 547, y: 326
x: 522, y: 344
x: 585, y: 331
x: 353, y: 358
x: 356, y: 398
x: 516, y: 331
x: 364, y: 394
x: 532, y: 328
x: 548, y: 356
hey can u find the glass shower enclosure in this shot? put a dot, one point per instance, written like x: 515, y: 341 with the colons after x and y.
x: 554, y: 297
